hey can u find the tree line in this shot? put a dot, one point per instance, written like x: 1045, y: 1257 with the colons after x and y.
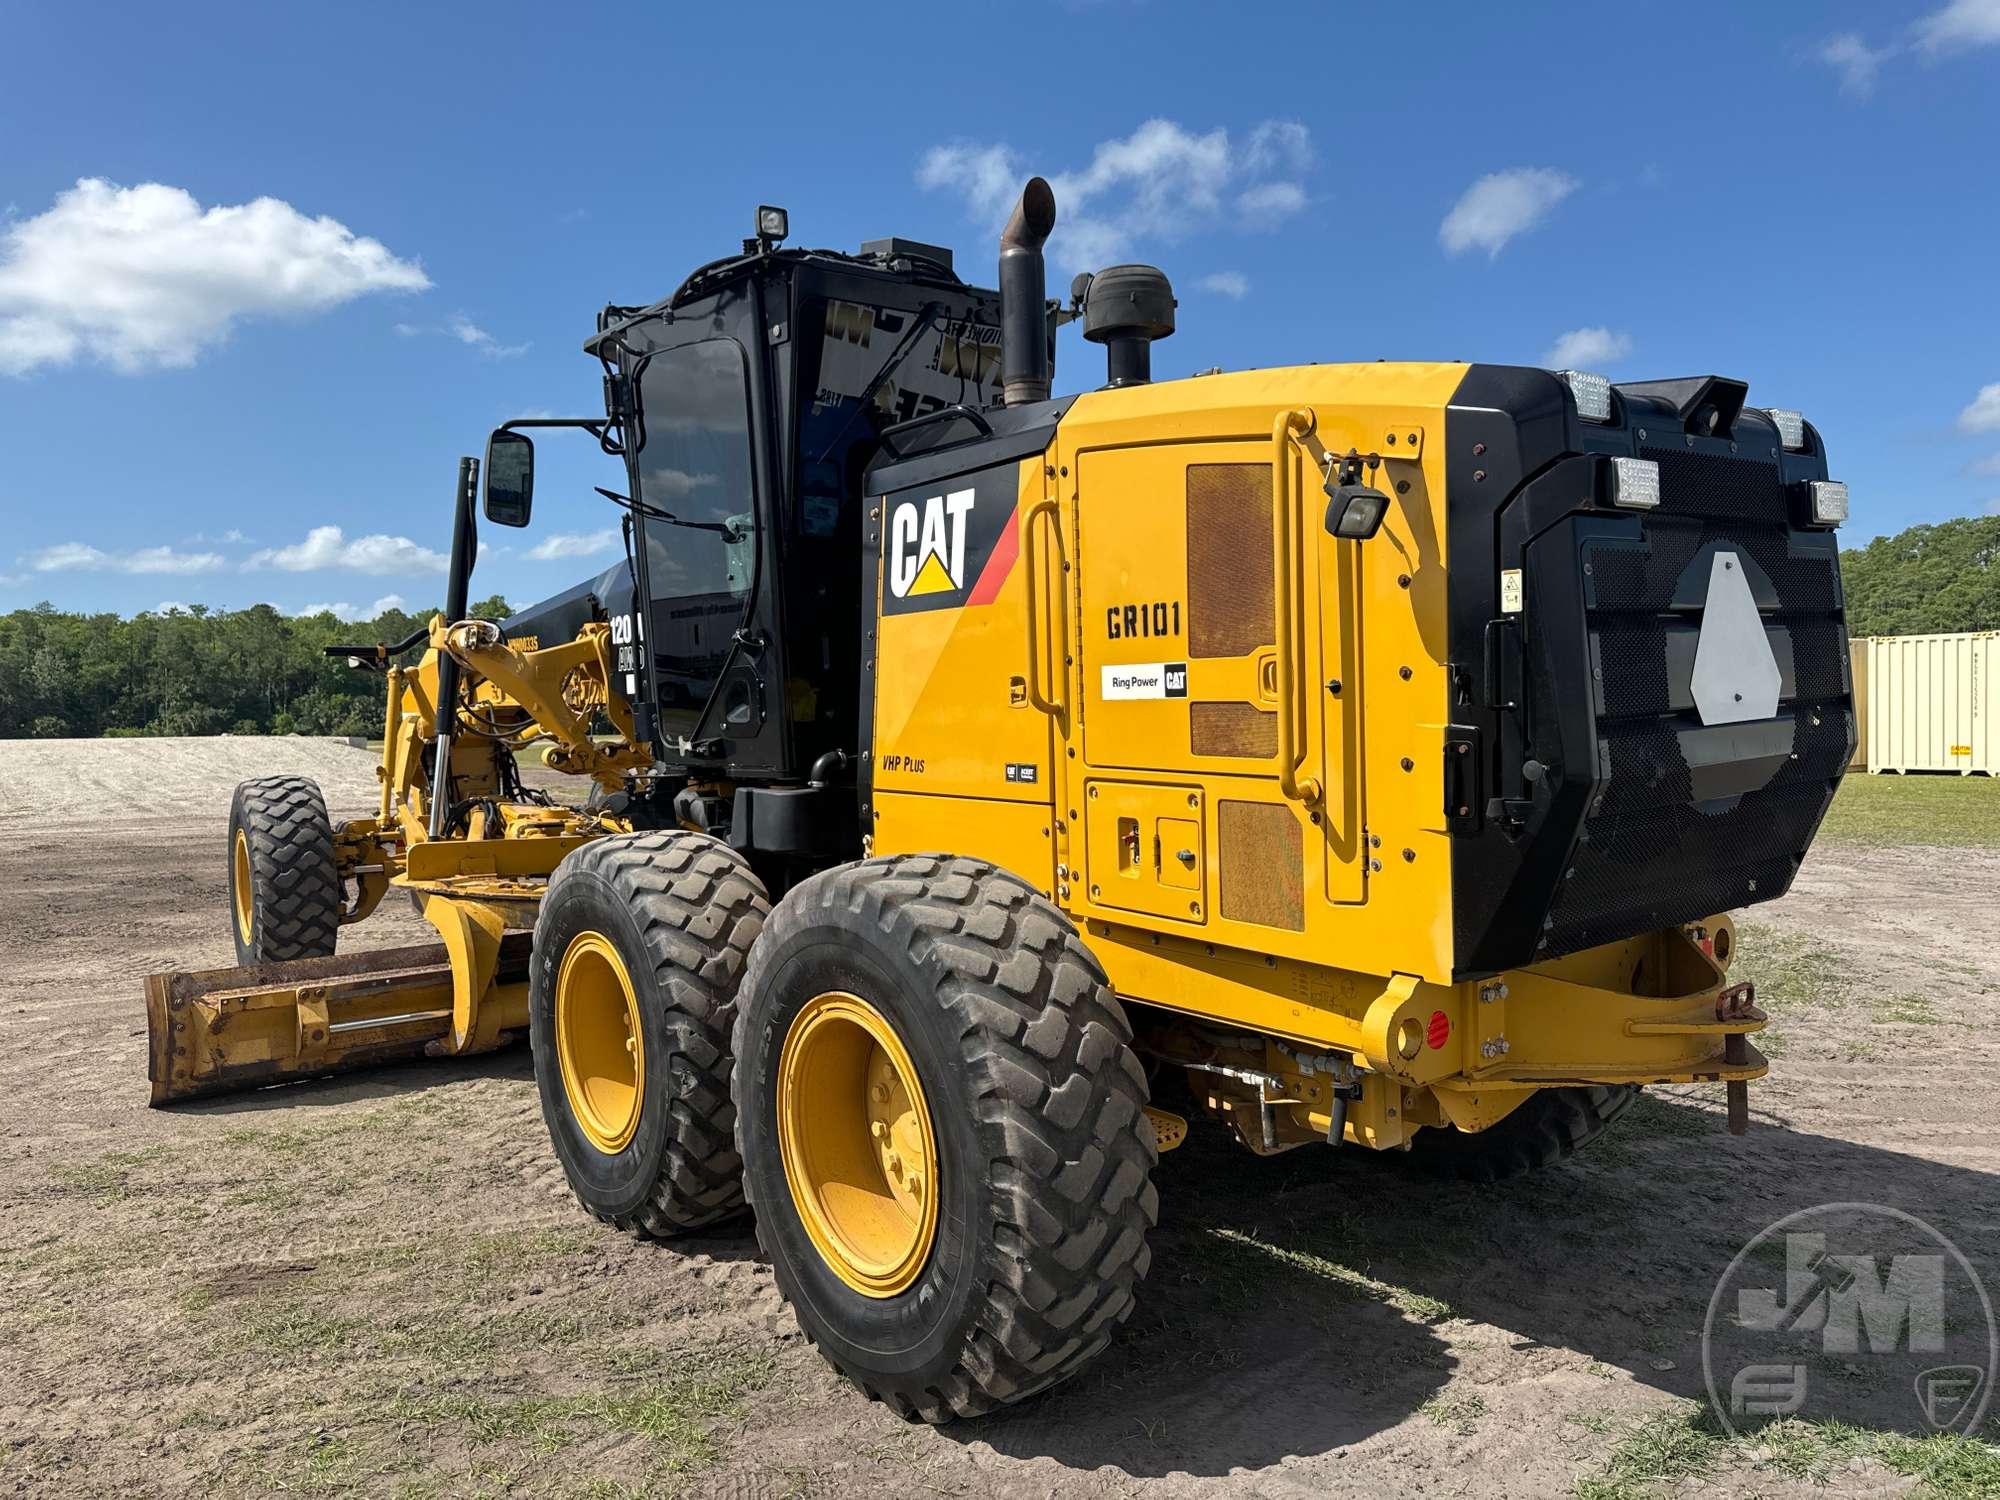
x: 192, y: 672
x: 256, y: 671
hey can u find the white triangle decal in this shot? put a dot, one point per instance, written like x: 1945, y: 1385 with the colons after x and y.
x: 1736, y: 677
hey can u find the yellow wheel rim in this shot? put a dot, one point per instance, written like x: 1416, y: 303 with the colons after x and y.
x: 599, y: 1043
x: 855, y: 1135
x: 240, y: 883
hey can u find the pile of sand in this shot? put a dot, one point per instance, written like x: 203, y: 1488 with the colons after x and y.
x: 91, y: 781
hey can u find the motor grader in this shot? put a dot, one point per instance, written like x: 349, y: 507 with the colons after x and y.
x: 1361, y: 755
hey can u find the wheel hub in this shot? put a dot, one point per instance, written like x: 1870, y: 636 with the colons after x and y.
x: 241, y: 882
x: 855, y: 1133
x: 599, y: 1043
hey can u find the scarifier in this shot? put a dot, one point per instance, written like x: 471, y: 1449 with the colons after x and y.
x: 1362, y: 754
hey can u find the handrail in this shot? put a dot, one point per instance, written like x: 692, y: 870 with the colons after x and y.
x: 958, y: 413
x: 1031, y: 565
x: 1288, y: 590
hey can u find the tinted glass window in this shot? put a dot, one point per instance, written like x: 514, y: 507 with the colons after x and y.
x: 695, y: 466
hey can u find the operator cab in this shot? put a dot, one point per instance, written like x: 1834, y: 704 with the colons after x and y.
x: 747, y: 407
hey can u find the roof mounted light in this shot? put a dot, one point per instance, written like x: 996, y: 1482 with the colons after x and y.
x: 1827, y: 501
x: 1635, y: 484
x: 1791, y: 427
x: 773, y: 224
x: 1592, y: 394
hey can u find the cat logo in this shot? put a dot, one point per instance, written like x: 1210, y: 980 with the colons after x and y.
x: 927, y: 545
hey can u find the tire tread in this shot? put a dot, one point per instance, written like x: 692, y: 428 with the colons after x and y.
x: 699, y: 909
x: 1057, y: 1102
x: 296, y: 883
x: 1553, y: 1124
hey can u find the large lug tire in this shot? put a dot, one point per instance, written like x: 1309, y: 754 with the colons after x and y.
x: 641, y: 940
x: 284, y: 888
x: 1027, y: 1256
x: 1552, y: 1124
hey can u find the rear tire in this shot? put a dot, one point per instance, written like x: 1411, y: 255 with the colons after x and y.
x: 1037, y: 1151
x: 1552, y: 1124
x: 643, y: 938
x: 284, y: 888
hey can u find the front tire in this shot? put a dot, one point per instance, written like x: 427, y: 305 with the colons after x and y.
x: 284, y: 887
x: 946, y: 1002
x: 639, y: 946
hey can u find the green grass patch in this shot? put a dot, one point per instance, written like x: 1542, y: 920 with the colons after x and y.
x: 1459, y: 1414
x: 1659, y: 1451
x: 107, y: 1178
x: 1905, y: 1010
x: 1656, y: 1450
x: 1948, y: 811
x: 677, y: 1415
x: 1343, y: 1280
x: 1790, y: 970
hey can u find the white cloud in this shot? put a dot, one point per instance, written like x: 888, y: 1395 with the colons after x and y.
x: 146, y: 278
x: 1988, y: 466
x: 328, y: 547
x: 12, y: 580
x: 1266, y: 204
x: 1161, y: 183
x: 1232, y: 284
x: 565, y: 544
x: 168, y: 606
x: 664, y: 483
x: 1502, y: 205
x: 1959, y: 26
x: 1587, y: 349
x: 467, y: 332
x: 67, y: 557
x: 230, y: 538
x: 349, y: 612
x: 1857, y: 63
x: 1983, y: 415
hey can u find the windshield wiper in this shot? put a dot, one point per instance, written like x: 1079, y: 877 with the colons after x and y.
x: 722, y: 529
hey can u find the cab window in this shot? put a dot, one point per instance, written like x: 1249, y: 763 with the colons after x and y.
x: 694, y: 466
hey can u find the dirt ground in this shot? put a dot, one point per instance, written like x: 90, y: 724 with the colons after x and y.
x: 380, y: 1285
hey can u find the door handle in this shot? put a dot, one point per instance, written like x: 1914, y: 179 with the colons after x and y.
x: 1288, y: 590
x: 1031, y: 559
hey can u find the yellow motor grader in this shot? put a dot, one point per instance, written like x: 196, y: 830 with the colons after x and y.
x: 1353, y: 754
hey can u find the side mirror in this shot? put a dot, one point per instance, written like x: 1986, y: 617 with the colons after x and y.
x: 510, y: 478
x: 1354, y: 512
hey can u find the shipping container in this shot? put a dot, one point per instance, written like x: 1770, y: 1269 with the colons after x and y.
x: 1931, y: 703
x: 1857, y: 661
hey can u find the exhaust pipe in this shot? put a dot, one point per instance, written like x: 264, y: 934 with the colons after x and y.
x: 1024, y: 318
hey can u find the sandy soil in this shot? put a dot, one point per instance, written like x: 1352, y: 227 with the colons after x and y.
x: 379, y: 1284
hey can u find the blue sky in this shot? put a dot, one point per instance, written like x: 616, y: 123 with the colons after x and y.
x: 266, y: 271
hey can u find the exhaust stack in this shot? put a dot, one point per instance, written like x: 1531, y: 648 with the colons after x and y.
x: 1024, y: 318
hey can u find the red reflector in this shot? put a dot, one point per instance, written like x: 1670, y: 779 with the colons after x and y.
x: 1440, y: 1029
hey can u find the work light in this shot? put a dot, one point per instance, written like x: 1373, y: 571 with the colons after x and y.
x: 1791, y: 427
x: 1591, y: 392
x: 1354, y: 512
x: 1827, y: 500
x: 773, y: 223
x: 1635, y: 483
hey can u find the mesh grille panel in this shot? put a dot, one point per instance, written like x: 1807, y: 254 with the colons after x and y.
x: 1230, y: 598
x: 1239, y: 730
x: 1718, y: 487
x: 1263, y: 868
